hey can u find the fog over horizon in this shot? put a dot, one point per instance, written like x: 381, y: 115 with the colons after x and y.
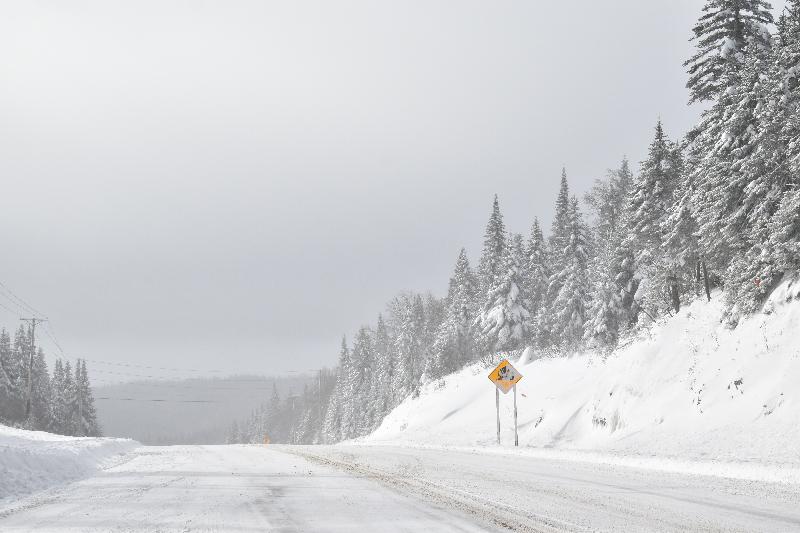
x: 234, y: 185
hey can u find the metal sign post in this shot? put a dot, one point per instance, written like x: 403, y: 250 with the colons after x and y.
x: 497, y: 402
x: 516, y: 436
x: 505, y: 378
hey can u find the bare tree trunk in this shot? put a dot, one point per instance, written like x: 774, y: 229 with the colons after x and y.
x: 697, y: 278
x: 674, y: 293
x: 706, y: 282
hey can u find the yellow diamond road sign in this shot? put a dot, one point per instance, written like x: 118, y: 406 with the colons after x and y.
x: 505, y: 376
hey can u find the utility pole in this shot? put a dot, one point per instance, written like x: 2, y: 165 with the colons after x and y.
x: 32, y: 329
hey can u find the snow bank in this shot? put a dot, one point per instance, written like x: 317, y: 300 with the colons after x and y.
x: 35, y: 460
x: 691, y: 395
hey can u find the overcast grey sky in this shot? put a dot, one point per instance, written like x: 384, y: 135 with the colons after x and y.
x: 235, y: 184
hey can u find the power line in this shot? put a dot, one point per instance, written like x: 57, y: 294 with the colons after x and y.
x: 8, y: 309
x: 173, y: 385
x: 24, y: 308
x: 132, y: 365
x: 182, y: 369
x: 160, y: 400
x: 52, y: 334
x: 29, y: 307
x: 265, y: 379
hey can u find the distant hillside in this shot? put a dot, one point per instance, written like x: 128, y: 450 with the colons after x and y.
x: 193, y: 411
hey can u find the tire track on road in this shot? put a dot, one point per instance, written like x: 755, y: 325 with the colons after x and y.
x: 499, y: 514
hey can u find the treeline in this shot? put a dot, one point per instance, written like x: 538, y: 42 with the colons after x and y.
x: 718, y: 208
x: 60, y: 403
x: 294, y: 419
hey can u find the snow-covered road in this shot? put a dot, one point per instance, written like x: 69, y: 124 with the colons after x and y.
x: 382, y: 488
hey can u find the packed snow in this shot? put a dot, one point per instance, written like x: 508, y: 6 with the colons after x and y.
x: 230, y: 488
x: 35, y: 460
x: 693, y: 394
x: 383, y: 488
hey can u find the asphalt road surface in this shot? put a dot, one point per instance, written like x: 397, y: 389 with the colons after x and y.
x: 388, y: 489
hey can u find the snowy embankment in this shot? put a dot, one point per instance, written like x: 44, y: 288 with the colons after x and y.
x: 35, y: 460
x: 692, y: 395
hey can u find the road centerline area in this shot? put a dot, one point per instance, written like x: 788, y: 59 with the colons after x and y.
x: 249, y: 488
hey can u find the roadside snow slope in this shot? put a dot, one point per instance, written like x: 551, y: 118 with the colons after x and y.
x: 691, y: 391
x: 35, y: 460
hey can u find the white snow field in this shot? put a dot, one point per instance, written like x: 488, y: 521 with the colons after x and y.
x: 35, y: 460
x: 693, y: 396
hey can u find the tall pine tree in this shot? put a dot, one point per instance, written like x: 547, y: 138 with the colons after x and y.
x: 537, y: 274
x: 491, y: 267
x: 505, y: 318
x: 568, y: 310
x: 722, y: 35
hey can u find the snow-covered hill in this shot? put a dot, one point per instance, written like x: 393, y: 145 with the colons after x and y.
x: 35, y: 460
x: 692, y: 389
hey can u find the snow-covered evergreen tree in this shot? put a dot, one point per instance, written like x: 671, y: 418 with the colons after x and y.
x: 408, y: 325
x: 20, y: 352
x: 652, y: 197
x: 722, y: 35
x: 70, y: 399
x: 766, y: 161
x: 87, y: 424
x: 334, y: 428
x: 560, y: 229
x: 505, y: 319
x: 557, y: 243
x: 491, y: 267
x: 734, y: 49
x: 41, y: 394
x: 12, y: 408
x: 608, y: 199
x: 784, y: 233
x: 383, y: 393
x: 607, y: 316
x: 680, y: 247
x: 454, y: 343
x: 434, y: 310
x: 568, y: 310
x: 234, y: 437
x: 5, y: 387
x: 537, y: 275
x: 359, y: 415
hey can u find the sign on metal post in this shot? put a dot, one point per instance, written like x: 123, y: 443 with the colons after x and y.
x: 505, y: 378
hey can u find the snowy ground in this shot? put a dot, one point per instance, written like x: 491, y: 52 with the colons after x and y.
x: 228, y: 488
x: 381, y: 488
x: 35, y: 460
x: 693, y: 396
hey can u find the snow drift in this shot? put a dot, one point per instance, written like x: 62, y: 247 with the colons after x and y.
x: 35, y: 460
x: 691, y: 389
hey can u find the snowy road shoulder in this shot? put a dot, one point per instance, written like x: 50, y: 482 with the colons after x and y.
x: 32, y: 461
x: 753, y: 470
